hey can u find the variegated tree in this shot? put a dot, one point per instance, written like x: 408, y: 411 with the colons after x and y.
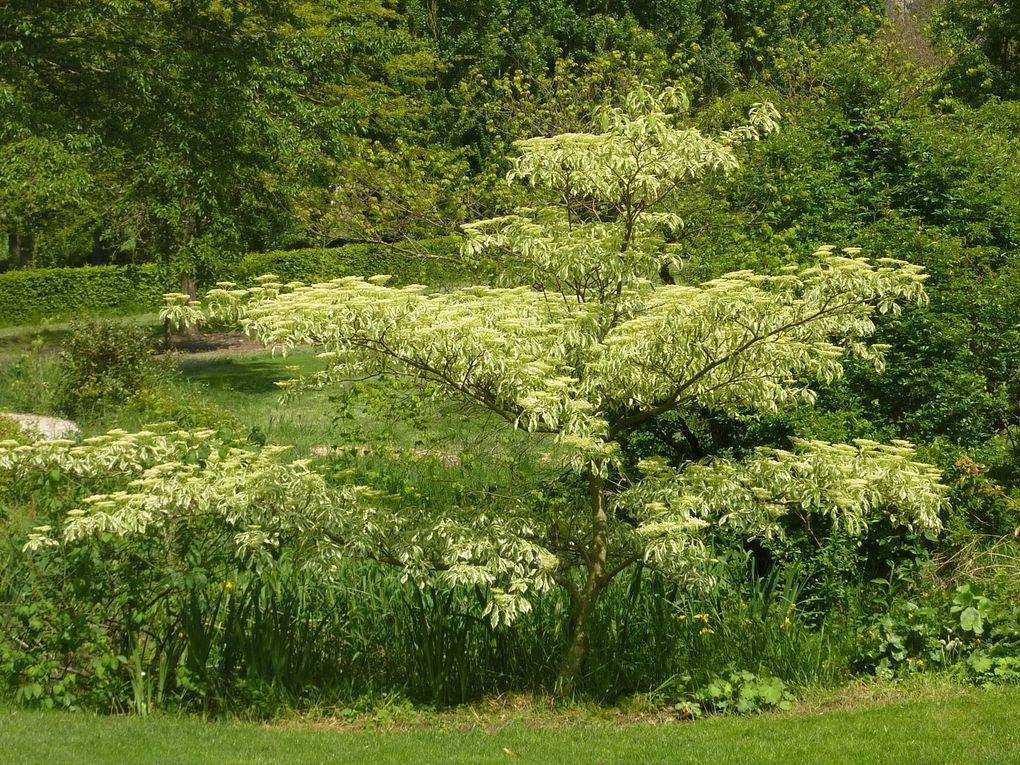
x: 587, y: 338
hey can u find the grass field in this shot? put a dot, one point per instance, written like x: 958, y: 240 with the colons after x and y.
x: 943, y: 725
x: 243, y: 381
x: 246, y: 385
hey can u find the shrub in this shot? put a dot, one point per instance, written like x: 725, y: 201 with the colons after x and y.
x: 29, y: 296
x: 105, y: 363
x: 9, y: 429
x: 191, y: 615
x: 971, y: 634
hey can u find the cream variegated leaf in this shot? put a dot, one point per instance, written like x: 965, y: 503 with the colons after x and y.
x: 584, y: 336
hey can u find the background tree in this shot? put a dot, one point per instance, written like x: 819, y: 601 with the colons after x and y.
x: 982, y: 40
x: 875, y: 155
x: 205, y: 127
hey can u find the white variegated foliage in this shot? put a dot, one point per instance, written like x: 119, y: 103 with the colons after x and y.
x: 605, y: 224
x: 169, y: 479
x: 180, y: 312
x: 170, y: 482
x: 596, y: 343
x: 849, y: 485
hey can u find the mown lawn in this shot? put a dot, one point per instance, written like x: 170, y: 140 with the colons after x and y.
x: 244, y: 382
x: 245, y: 385
x: 958, y: 726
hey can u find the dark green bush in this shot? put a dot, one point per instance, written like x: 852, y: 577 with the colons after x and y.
x: 436, y: 264
x: 47, y: 293
x: 106, y: 364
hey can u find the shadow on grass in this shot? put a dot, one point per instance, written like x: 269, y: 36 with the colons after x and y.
x: 51, y: 338
x: 241, y: 375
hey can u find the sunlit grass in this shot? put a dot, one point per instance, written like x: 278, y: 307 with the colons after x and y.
x: 950, y: 726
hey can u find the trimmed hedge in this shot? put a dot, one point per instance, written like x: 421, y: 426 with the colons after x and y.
x: 321, y: 264
x: 28, y: 297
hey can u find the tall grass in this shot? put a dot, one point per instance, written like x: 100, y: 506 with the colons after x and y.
x: 29, y: 378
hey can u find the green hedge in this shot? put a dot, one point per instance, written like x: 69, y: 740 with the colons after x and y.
x: 321, y: 264
x: 28, y: 297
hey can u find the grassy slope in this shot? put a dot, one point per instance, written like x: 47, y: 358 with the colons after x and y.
x: 962, y: 726
x: 245, y: 384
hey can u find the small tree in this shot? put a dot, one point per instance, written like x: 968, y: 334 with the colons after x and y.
x: 598, y: 342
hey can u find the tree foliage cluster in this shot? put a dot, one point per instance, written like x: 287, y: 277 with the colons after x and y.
x: 191, y: 132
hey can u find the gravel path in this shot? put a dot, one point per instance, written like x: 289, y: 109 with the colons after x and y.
x: 49, y: 428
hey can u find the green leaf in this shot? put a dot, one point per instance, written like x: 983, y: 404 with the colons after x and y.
x: 972, y: 621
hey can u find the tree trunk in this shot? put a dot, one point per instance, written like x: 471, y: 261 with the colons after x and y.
x: 666, y: 275
x: 14, y: 248
x: 96, y: 256
x: 189, y: 287
x: 26, y: 250
x: 586, y: 597
x: 580, y: 643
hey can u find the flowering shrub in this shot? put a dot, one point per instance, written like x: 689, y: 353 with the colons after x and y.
x: 147, y: 562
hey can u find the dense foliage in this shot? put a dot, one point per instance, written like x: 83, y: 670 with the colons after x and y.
x: 684, y: 317
x: 45, y: 294
x: 426, y: 261
x: 192, y: 132
x: 105, y: 364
